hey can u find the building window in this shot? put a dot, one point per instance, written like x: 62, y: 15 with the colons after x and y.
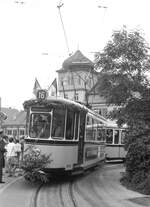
x: 21, y: 132
x: 62, y: 83
x: 66, y: 96
x: 9, y: 132
x: 14, y: 132
x: 101, y: 111
x: 76, y: 97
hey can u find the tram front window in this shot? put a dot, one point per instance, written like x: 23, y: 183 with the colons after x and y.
x: 123, y: 134
x: 116, y: 136
x: 109, y: 136
x: 40, y: 125
x: 58, y: 123
x: 70, y: 125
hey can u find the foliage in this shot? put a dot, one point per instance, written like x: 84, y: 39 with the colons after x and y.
x: 123, y: 66
x: 33, y: 164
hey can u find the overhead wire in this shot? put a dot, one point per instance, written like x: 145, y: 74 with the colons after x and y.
x: 65, y: 35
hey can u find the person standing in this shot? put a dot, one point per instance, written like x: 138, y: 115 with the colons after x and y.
x: 2, y: 159
x: 18, y: 152
x: 22, y: 147
x: 11, y: 157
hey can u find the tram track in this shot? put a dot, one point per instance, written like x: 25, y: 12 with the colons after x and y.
x: 71, y: 194
x: 34, y: 198
x: 60, y: 193
x: 100, y: 188
x: 88, y: 190
x: 66, y: 195
x: 61, y: 196
x: 63, y: 193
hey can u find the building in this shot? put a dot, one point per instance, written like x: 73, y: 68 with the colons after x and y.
x: 15, y: 124
x: 77, y: 80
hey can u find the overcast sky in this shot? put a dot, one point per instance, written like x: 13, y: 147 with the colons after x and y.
x: 32, y: 43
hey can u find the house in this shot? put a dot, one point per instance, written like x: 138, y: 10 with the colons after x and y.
x: 15, y: 124
x: 78, y: 81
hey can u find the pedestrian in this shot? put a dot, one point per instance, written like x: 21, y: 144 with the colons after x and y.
x: 2, y: 158
x: 18, y: 152
x: 22, y: 147
x: 11, y: 157
x: 5, y: 138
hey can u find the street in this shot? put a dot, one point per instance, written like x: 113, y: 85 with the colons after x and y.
x: 98, y: 188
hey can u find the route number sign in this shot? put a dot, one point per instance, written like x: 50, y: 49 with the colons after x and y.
x: 42, y: 94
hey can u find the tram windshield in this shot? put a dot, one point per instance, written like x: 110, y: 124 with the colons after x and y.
x: 123, y: 134
x: 109, y: 136
x: 116, y: 136
x: 40, y: 125
x: 58, y: 123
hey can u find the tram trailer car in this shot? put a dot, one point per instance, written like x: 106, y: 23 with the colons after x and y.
x: 115, y: 142
x: 59, y: 127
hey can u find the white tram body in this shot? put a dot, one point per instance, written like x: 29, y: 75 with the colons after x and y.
x: 63, y: 129
x: 115, y: 141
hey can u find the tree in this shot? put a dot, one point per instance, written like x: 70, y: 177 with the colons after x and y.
x: 123, y: 81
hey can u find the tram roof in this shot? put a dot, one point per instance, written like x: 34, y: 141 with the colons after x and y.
x: 58, y: 101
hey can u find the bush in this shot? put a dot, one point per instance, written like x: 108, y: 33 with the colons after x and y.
x: 138, y: 166
x: 33, y: 164
x: 144, y: 187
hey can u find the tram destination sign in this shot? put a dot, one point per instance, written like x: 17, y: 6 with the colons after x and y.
x: 41, y: 94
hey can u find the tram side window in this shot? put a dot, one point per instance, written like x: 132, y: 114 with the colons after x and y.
x: 116, y: 136
x: 58, y: 123
x: 91, y: 130
x: 109, y: 136
x: 89, y: 133
x: 70, y: 125
x: 123, y: 133
x: 40, y: 125
x: 82, y: 126
x: 100, y: 134
x: 76, y: 125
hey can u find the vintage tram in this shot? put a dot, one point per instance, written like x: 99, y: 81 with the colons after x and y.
x: 115, y: 136
x: 66, y: 130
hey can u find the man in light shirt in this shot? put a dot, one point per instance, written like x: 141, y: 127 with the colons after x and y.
x: 11, y: 157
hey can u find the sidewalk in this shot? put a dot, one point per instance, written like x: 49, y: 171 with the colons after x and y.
x: 8, y: 179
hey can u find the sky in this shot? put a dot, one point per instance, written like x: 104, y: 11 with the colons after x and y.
x: 32, y: 41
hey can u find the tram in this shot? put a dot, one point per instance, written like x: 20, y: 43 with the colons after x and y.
x: 63, y: 128
x: 115, y: 142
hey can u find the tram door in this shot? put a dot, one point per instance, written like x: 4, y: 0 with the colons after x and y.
x: 81, y: 137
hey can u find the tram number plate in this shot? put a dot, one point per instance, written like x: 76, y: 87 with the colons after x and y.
x: 42, y: 94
